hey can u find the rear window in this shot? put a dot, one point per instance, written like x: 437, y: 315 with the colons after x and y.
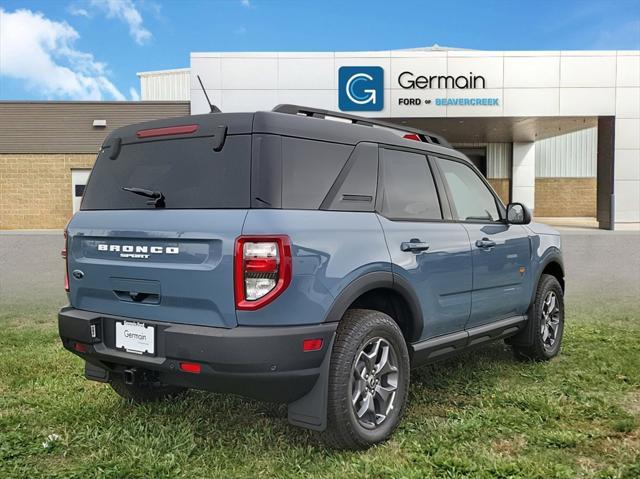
x: 186, y: 171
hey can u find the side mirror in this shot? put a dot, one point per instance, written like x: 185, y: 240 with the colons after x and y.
x: 518, y: 214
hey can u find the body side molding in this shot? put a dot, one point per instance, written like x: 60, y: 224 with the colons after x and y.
x: 443, y: 346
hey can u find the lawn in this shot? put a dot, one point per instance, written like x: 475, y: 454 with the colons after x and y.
x: 481, y: 415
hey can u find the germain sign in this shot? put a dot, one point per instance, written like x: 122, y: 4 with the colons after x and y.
x: 408, y: 80
x: 361, y: 88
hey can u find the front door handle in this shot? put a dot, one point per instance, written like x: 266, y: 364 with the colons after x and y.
x: 414, y: 246
x: 485, y: 243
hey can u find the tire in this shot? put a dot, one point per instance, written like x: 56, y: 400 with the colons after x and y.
x: 144, y: 393
x: 545, y: 328
x: 362, y: 333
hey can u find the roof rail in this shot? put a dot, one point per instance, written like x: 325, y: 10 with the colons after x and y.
x: 424, y: 136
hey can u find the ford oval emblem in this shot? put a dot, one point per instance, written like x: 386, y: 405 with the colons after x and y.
x: 77, y: 274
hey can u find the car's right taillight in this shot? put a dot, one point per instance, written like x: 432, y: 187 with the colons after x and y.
x: 262, y: 269
x: 64, y: 253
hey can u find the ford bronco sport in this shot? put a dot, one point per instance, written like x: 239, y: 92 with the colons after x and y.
x: 299, y: 256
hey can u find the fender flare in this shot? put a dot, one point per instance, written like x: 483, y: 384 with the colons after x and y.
x: 374, y: 280
x: 551, y: 256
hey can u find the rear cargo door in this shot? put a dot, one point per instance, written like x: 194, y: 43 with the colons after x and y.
x: 174, y: 262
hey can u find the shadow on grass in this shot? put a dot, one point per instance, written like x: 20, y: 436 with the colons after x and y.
x: 452, y: 381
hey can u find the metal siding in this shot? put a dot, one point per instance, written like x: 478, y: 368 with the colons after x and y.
x: 170, y: 85
x: 573, y: 155
x: 498, y: 157
x: 499, y: 160
x: 67, y: 127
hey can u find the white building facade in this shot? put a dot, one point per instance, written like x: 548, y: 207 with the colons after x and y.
x: 525, y: 117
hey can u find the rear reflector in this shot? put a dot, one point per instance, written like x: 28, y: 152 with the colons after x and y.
x: 80, y: 347
x: 312, y: 344
x: 190, y: 368
x: 167, y: 130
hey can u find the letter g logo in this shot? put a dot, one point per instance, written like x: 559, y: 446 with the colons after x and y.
x: 361, y: 88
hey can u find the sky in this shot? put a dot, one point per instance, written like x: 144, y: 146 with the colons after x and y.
x: 92, y: 49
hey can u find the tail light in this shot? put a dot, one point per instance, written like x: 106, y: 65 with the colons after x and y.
x: 262, y: 270
x: 64, y: 255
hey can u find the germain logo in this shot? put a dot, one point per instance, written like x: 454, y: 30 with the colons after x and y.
x: 361, y: 88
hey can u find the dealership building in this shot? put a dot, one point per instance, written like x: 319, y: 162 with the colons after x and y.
x: 556, y: 130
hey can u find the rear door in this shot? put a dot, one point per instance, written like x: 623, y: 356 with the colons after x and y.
x: 431, y: 254
x: 174, y: 263
x: 501, y: 251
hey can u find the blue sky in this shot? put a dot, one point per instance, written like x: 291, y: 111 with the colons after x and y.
x: 92, y: 49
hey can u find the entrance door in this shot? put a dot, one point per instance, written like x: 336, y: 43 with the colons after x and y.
x: 79, y: 180
x: 478, y: 157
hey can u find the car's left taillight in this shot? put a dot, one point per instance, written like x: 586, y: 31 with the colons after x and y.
x: 262, y: 269
x: 64, y: 254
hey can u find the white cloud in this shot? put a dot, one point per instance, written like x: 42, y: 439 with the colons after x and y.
x: 77, y: 11
x: 245, y: 3
x: 133, y: 93
x: 127, y: 12
x: 41, y: 52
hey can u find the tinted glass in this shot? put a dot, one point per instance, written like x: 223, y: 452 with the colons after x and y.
x: 409, y: 191
x: 471, y: 198
x: 355, y: 187
x: 309, y: 168
x: 186, y: 171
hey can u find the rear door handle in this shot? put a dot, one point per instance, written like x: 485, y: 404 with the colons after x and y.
x: 485, y: 243
x: 414, y: 246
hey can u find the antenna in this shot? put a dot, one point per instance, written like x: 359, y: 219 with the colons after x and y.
x: 212, y: 107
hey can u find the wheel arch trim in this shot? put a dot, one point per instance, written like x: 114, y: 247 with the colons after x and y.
x: 551, y: 256
x: 377, y: 280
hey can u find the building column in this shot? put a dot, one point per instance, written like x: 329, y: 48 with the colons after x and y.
x: 523, y: 175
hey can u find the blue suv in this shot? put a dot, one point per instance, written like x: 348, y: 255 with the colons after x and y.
x: 301, y: 256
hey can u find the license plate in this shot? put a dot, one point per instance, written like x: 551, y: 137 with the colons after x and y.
x: 135, y: 337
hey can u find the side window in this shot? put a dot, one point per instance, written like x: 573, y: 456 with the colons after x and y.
x: 355, y: 187
x: 408, y: 191
x: 471, y: 198
x: 309, y: 168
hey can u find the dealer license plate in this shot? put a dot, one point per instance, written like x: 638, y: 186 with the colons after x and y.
x: 135, y: 337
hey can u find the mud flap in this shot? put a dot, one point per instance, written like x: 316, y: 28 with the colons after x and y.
x: 310, y: 411
x: 526, y: 336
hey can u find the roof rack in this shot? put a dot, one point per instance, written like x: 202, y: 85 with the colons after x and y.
x: 409, y: 133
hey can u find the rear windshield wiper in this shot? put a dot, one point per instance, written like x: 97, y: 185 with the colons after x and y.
x: 157, y: 198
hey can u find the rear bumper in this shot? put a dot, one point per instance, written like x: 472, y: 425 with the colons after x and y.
x: 265, y: 363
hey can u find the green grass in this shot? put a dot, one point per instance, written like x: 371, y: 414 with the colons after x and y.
x: 481, y: 415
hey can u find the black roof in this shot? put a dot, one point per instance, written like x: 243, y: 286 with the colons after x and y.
x: 294, y: 121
